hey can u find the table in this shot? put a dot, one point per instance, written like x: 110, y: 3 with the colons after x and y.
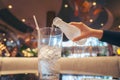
x: 99, y: 66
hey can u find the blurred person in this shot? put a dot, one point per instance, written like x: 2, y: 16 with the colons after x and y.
x: 108, y: 36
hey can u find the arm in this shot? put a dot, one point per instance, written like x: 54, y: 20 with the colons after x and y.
x: 111, y: 37
x: 103, y: 35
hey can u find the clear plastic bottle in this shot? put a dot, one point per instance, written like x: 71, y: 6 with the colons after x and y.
x: 69, y: 30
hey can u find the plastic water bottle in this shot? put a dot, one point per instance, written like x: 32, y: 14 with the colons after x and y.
x: 69, y: 30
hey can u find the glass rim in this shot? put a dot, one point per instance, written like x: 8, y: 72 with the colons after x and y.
x: 57, y: 30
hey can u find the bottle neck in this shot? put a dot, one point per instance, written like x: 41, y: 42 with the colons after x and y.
x: 57, y: 22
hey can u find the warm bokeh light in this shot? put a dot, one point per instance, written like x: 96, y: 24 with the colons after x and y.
x: 119, y: 26
x: 65, y: 5
x: 10, y: 6
x: 23, y: 20
x: 102, y: 24
x: 3, y: 34
x: 94, y: 3
x: 4, y: 39
x: 11, y: 41
x: 118, y: 51
x: 91, y: 20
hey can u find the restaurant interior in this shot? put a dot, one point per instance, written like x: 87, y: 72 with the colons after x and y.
x: 18, y: 38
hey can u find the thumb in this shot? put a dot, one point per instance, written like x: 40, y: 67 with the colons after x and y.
x: 78, y: 38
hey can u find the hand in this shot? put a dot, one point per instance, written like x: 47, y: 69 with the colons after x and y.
x: 86, y: 31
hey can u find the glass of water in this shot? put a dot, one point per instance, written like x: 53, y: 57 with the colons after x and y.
x: 50, y: 48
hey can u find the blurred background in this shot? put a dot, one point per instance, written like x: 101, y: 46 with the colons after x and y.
x: 17, y: 27
x: 18, y: 37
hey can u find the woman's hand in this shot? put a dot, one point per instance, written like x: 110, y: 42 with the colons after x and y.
x: 86, y: 31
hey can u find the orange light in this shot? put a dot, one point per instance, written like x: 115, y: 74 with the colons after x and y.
x: 97, y: 11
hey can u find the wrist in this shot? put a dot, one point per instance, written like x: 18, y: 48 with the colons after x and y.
x: 97, y: 33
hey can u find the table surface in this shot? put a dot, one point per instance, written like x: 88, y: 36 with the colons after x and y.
x: 23, y: 65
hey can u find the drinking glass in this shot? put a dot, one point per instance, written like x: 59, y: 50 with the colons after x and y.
x: 49, y: 52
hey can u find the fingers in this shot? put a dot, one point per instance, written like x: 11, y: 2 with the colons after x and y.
x: 78, y: 38
x: 79, y: 25
x: 76, y: 24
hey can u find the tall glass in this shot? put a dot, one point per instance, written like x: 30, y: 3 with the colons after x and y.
x: 49, y: 52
